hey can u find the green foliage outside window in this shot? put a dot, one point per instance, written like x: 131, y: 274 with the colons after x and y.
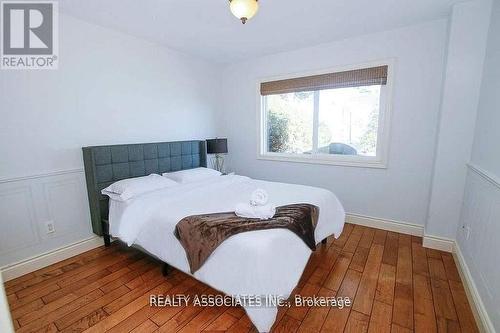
x: 278, y: 133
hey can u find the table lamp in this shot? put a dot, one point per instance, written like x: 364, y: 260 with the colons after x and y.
x: 217, y: 147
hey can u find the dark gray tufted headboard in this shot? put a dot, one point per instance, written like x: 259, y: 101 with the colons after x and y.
x: 107, y: 164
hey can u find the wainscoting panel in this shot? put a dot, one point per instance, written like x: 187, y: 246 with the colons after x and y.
x: 65, y: 199
x: 29, y: 204
x: 478, y: 238
x: 17, y: 229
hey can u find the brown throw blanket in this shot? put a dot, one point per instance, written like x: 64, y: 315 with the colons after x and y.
x: 200, y: 235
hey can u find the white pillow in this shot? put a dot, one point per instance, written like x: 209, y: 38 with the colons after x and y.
x: 192, y: 175
x: 132, y: 187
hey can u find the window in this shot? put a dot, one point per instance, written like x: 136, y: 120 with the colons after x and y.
x: 336, y: 118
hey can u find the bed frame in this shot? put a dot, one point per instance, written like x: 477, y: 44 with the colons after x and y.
x: 107, y: 164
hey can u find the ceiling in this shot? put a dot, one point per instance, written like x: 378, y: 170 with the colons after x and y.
x: 206, y: 28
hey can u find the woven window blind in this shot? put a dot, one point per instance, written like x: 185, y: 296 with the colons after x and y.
x: 352, y: 78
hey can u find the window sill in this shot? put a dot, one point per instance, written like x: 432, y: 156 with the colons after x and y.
x: 315, y: 159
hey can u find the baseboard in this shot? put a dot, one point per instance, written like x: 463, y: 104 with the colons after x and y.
x: 384, y: 224
x: 29, y: 265
x: 438, y: 243
x: 478, y: 309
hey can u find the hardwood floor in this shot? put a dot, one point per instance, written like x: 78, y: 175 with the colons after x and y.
x: 396, y: 286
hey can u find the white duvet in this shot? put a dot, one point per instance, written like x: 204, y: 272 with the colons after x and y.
x: 268, y: 262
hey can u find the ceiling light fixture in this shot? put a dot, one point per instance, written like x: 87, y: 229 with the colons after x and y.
x: 244, y: 9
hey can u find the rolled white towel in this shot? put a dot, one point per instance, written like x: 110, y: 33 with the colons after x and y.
x: 255, y: 212
x: 259, y: 197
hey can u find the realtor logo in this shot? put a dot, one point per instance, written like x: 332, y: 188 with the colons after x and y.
x: 29, y: 35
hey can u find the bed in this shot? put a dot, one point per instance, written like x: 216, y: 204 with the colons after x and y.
x: 267, y: 262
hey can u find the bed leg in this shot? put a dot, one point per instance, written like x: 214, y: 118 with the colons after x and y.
x: 165, y: 269
x: 107, y: 240
x: 323, y: 241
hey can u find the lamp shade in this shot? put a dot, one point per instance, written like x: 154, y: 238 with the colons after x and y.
x: 217, y: 146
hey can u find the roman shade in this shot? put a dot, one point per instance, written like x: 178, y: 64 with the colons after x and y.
x: 352, y: 78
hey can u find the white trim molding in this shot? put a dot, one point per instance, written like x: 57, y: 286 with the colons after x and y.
x: 32, y: 264
x: 338, y: 160
x: 5, y: 317
x: 41, y: 175
x: 432, y: 242
x: 478, y: 309
x: 385, y: 224
x: 486, y: 175
x: 438, y: 243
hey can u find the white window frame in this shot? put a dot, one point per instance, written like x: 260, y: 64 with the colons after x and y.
x: 383, y: 134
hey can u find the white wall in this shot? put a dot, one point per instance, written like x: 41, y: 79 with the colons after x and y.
x: 465, y: 57
x: 481, y: 208
x: 401, y: 191
x: 486, y: 149
x: 109, y: 88
x: 5, y: 318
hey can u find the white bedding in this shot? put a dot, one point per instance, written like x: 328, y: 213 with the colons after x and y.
x: 268, y: 262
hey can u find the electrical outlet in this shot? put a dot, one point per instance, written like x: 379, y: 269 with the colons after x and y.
x: 49, y: 227
x: 467, y: 230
